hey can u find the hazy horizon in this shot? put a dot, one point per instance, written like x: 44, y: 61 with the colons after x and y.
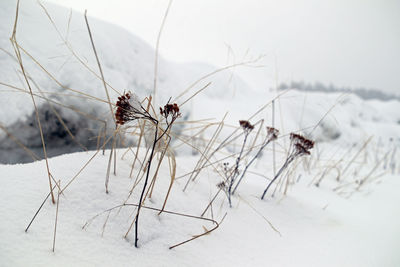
x: 347, y: 43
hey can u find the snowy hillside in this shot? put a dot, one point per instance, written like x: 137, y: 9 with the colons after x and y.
x: 128, y: 64
x: 60, y: 60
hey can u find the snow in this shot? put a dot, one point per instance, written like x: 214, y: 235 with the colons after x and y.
x: 338, y: 223
x: 318, y: 228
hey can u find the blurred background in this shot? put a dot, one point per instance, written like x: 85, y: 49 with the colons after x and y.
x: 309, y: 47
x: 347, y: 43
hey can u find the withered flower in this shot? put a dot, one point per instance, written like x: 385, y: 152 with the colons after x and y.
x: 272, y: 133
x: 171, y: 112
x: 246, y: 125
x: 129, y: 109
x: 301, y: 144
x: 170, y: 109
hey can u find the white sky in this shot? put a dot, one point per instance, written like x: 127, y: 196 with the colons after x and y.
x: 346, y: 42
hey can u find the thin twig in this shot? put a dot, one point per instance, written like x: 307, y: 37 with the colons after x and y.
x: 38, y: 210
x: 157, y: 49
x: 56, y: 220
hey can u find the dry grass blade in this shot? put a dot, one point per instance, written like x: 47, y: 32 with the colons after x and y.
x: 156, y: 50
x: 164, y: 151
x: 56, y: 220
x: 51, y: 76
x: 259, y: 213
x: 207, y: 232
x: 206, y: 150
x: 68, y: 45
x: 211, y: 202
x: 18, y: 55
x: 99, y: 65
x: 357, y: 154
x: 172, y: 166
x: 196, y: 93
x: 215, y: 72
x: 273, y: 142
x: 142, y: 127
x: 109, y: 161
x: 329, y: 110
x: 372, y: 171
x: 38, y: 210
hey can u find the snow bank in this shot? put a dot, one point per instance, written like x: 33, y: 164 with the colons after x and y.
x: 317, y: 227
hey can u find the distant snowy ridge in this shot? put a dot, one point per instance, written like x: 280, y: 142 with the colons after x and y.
x: 364, y: 93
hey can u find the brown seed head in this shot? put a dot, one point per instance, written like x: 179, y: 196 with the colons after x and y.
x: 170, y: 109
x: 246, y: 125
x: 123, y: 108
x: 128, y: 109
x: 272, y: 133
x: 301, y: 144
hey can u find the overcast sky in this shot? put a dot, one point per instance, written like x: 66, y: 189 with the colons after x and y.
x: 346, y: 42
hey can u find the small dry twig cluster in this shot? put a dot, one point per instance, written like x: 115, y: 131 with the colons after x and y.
x: 299, y: 146
x: 231, y: 183
x: 129, y: 109
x: 272, y: 135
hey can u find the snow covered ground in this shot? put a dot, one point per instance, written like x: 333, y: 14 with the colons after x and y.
x: 317, y: 227
x: 338, y: 223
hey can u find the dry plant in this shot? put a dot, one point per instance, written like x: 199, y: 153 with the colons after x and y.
x: 167, y: 212
x: 299, y: 146
x: 19, y: 58
x: 129, y: 109
x: 232, y: 179
x: 272, y: 135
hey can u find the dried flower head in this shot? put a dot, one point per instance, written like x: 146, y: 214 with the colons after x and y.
x: 170, y: 110
x: 301, y: 144
x: 272, y: 133
x: 295, y: 138
x: 246, y: 125
x: 301, y: 150
x: 221, y: 185
x: 129, y: 109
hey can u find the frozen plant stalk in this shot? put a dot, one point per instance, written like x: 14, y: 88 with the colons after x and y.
x: 272, y: 135
x: 247, y: 128
x: 130, y: 109
x: 299, y: 146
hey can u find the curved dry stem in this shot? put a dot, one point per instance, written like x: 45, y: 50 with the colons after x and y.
x: 167, y: 212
